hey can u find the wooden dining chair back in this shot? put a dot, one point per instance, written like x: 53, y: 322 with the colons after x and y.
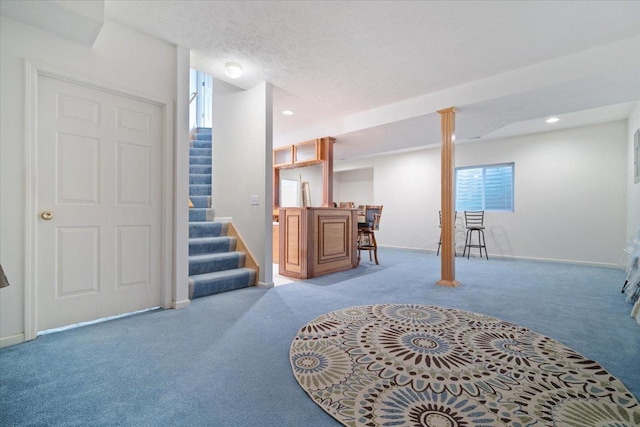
x: 372, y: 214
x: 367, y: 229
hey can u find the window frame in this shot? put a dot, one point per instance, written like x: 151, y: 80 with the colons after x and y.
x: 484, y: 168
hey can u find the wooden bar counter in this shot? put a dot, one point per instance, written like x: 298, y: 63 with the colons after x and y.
x: 316, y: 241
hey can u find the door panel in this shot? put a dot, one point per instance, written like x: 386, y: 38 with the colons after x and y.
x: 77, y: 261
x: 77, y: 169
x: 98, y: 168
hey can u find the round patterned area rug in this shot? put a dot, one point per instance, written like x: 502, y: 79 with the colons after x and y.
x: 418, y: 365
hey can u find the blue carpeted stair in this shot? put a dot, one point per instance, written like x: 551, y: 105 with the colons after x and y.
x: 214, y: 264
x: 200, y: 176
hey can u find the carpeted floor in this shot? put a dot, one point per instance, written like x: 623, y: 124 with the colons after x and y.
x: 419, y: 365
x: 224, y: 361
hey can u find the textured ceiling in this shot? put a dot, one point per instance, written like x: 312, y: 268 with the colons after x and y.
x: 334, y: 61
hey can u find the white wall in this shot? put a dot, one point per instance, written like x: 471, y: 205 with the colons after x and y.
x: 120, y: 59
x: 570, y: 195
x: 408, y: 187
x: 633, y: 190
x: 242, y: 159
x: 354, y: 186
x: 180, y: 297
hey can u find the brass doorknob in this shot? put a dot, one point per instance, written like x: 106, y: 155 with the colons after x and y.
x: 46, y: 215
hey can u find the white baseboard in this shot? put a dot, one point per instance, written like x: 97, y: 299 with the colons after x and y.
x: 265, y: 285
x: 524, y: 258
x: 181, y: 304
x: 11, y: 340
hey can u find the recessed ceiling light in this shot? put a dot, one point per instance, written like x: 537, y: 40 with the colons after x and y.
x: 233, y: 70
x: 552, y: 119
x: 287, y: 112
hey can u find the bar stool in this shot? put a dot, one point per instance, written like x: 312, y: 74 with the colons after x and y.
x: 474, y: 221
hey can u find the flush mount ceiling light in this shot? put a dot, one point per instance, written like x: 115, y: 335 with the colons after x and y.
x: 233, y: 70
x: 552, y: 119
x: 288, y: 112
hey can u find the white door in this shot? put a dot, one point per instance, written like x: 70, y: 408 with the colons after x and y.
x: 98, y: 195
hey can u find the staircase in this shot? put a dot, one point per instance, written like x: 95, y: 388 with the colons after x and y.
x: 214, y: 264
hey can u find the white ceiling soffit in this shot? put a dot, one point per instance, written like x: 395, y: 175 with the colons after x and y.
x: 404, y: 135
x: 599, y: 77
x: 80, y: 21
x: 589, y: 100
x: 423, y: 132
x: 594, y: 99
x: 592, y: 116
x: 584, y: 94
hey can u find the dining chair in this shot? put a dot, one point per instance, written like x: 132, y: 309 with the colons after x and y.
x: 474, y: 221
x: 366, y: 231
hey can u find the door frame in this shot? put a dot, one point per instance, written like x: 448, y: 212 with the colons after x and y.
x: 33, y: 72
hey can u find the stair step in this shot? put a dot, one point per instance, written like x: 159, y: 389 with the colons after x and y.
x: 199, y: 160
x: 196, y: 151
x: 200, y: 169
x: 201, y: 201
x: 210, y: 263
x: 207, y: 229
x: 201, y: 214
x: 210, y: 245
x: 200, y: 178
x: 200, y: 143
x: 223, y: 281
x: 203, y: 136
x: 199, y: 190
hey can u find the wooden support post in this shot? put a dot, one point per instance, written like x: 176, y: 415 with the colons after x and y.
x: 447, y: 167
x: 327, y: 171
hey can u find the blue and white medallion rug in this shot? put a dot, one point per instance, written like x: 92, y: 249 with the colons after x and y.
x: 418, y: 365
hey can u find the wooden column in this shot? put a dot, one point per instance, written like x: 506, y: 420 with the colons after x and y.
x: 447, y: 258
x: 327, y: 171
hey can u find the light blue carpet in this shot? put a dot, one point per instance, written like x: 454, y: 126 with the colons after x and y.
x: 224, y: 361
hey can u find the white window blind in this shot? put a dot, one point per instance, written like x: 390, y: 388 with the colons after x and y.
x: 485, y: 188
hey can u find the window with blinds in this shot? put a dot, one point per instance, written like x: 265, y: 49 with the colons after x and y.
x: 485, y: 188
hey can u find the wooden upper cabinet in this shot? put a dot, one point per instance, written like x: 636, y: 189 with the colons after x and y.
x: 301, y: 154
x: 307, y: 152
x: 283, y: 156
